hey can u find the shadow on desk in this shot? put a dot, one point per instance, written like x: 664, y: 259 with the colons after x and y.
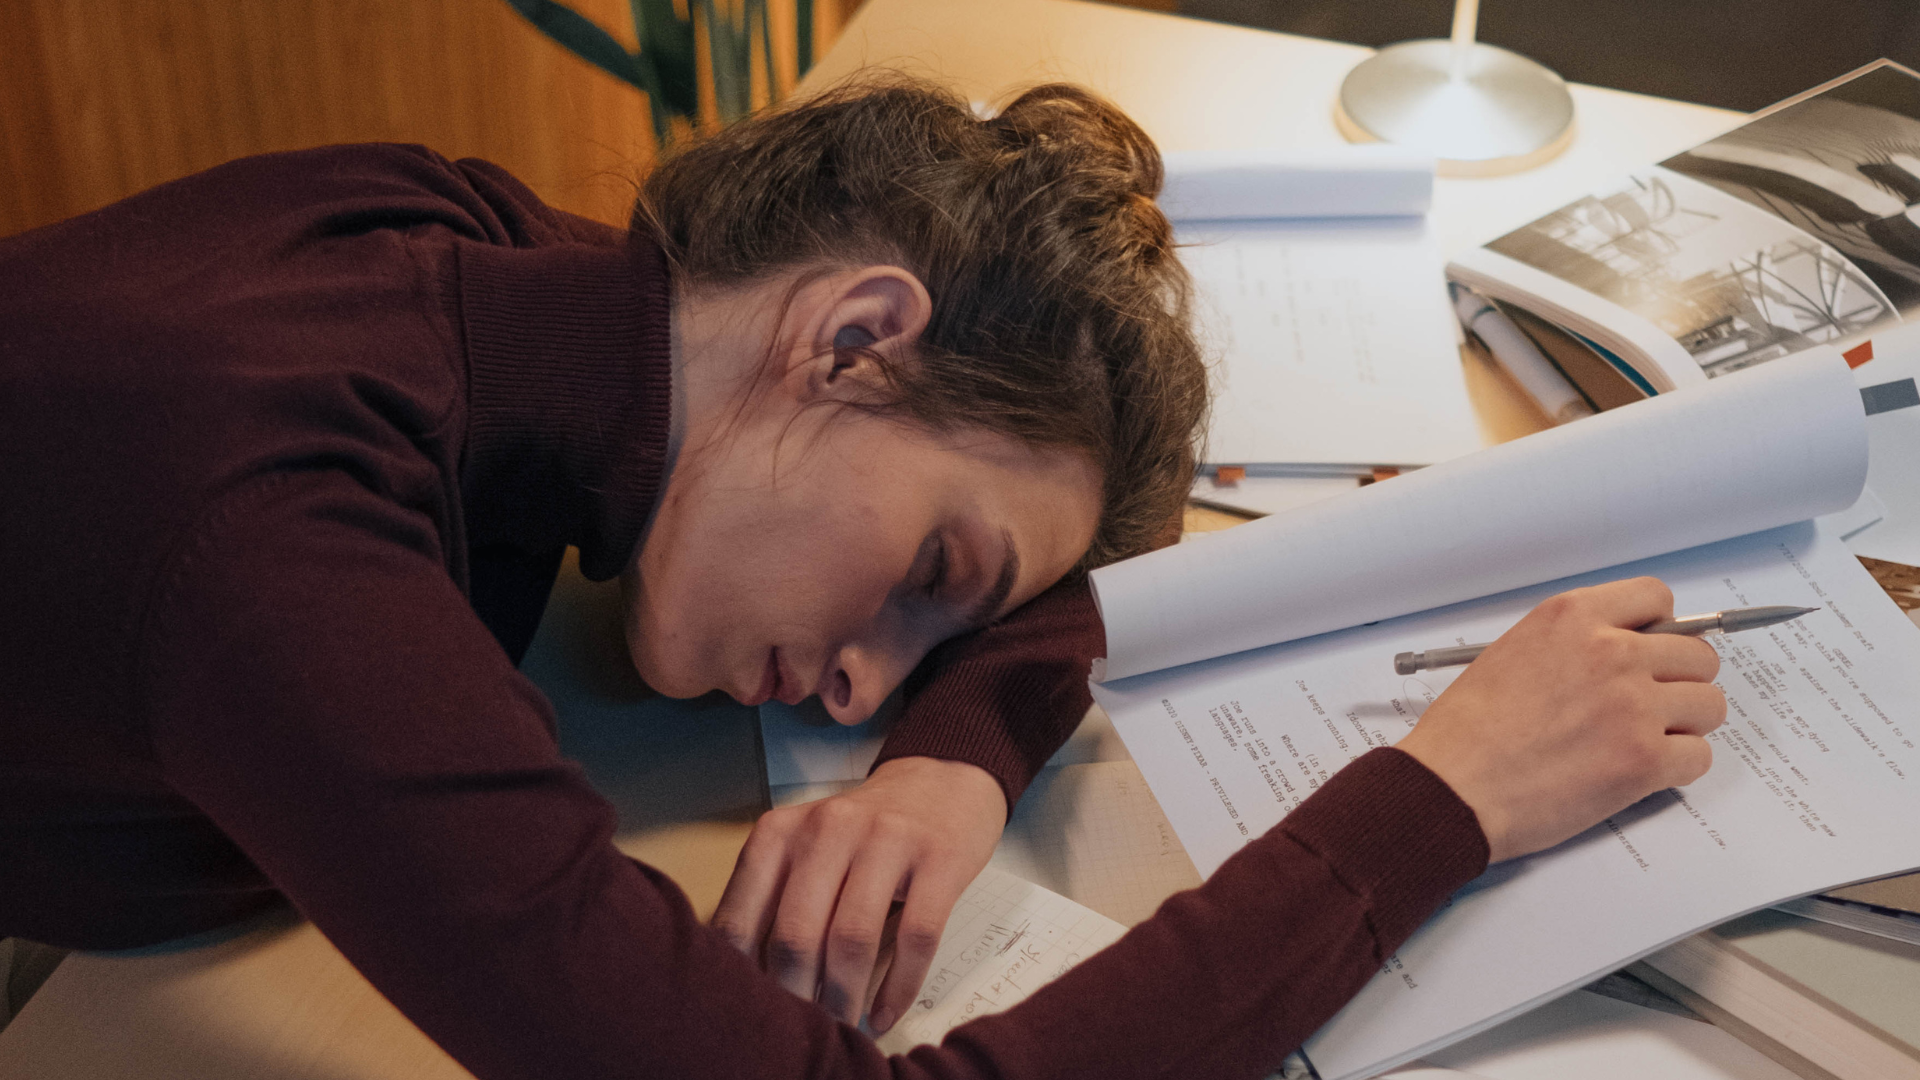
x: 660, y: 761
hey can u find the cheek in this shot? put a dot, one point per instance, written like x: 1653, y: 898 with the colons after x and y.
x: 807, y: 563
x: 679, y: 596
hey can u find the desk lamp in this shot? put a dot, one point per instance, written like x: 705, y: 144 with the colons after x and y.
x: 1480, y: 109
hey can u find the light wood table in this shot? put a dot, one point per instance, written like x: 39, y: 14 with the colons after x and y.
x: 277, y: 1000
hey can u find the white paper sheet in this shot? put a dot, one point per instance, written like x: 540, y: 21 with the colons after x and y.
x: 1816, y: 782
x: 1337, y: 182
x: 1270, y: 494
x: 1584, y: 1036
x: 1336, y: 339
x: 804, y: 745
x: 1319, y: 289
x: 1759, y: 448
x: 1005, y: 939
x: 1894, y: 470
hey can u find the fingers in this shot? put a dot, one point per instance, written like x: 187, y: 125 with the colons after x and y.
x: 1686, y: 759
x: 1628, y: 604
x: 807, y: 900
x: 1692, y: 708
x: 859, y: 925
x: 1678, y: 658
x: 930, y: 900
x: 746, y: 907
x: 814, y: 887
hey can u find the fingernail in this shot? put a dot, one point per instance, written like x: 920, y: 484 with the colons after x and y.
x: 880, y: 1021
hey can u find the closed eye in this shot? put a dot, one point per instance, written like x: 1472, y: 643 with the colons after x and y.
x: 937, y: 578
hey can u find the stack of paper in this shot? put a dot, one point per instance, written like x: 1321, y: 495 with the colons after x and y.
x: 1321, y: 295
x: 1284, y: 632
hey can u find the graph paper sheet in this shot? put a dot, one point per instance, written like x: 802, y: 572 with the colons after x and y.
x: 1094, y: 833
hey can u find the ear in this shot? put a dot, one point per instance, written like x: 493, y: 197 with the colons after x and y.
x: 844, y: 319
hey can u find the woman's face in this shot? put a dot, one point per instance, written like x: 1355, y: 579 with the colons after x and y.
x: 801, y: 548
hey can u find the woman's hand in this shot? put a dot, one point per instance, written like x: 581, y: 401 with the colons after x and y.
x: 814, y: 886
x: 1572, y: 716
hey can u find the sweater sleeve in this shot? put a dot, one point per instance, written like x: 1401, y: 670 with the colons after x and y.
x: 1005, y: 698
x: 320, y: 688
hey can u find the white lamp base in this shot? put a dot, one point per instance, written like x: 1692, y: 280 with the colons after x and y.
x: 1505, y: 114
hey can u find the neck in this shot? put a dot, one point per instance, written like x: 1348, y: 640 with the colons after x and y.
x: 720, y: 354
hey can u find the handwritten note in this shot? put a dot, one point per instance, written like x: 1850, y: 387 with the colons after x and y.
x: 1336, y: 341
x: 1007, y: 937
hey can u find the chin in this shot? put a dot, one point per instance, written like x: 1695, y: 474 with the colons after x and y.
x: 663, y: 679
x: 665, y: 675
x: 662, y: 676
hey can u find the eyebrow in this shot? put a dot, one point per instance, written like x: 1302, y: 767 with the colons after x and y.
x: 989, y: 606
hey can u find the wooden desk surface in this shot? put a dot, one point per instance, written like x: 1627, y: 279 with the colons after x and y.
x: 278, y: 1000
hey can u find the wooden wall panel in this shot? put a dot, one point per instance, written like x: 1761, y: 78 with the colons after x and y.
x: 103, y: 98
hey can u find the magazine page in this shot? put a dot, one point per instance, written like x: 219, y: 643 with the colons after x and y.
x: 1782, y: 443
x: 1633, y: 339
x: 1676, y: 271
x: 1801, y: 227
x: 1815, y: 782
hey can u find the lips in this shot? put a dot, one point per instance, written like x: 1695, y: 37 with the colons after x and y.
x: 786, y: 689
x: 769, y: 682
x: 776, y: 684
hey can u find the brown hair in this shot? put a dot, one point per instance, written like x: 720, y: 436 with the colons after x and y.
x: 1060, y: 312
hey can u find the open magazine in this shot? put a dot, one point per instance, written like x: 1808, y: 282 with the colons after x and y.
x: 1244, y: 671
x: 1801, y: 227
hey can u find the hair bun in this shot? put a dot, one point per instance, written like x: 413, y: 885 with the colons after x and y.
x: 1063, y: 116
x: 1061, y: 313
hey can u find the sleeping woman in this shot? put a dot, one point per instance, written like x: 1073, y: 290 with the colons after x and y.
x: 294, y: 448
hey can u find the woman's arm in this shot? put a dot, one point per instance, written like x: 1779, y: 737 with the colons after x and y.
x: 1006, y: 697
x: 320, y: 688
x: 815, y: 883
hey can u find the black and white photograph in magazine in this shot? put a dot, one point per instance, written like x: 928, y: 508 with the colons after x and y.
x: 1842, y: 165
x: 1733, y: 284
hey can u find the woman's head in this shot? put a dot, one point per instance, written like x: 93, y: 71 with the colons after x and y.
x: 909, y: 335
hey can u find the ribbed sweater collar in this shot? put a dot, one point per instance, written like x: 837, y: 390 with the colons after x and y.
x: 570, y: 382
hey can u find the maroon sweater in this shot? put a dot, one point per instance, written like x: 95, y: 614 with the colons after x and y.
x: 292, y: 451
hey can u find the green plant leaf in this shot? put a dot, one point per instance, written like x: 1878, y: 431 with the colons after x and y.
x: 668, y: 40
x: 757, y: 15
x: 727, y: 48
x: 803, y: 11
x: 582, y: 37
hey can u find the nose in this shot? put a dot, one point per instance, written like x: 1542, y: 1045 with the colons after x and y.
x: 860, y: 676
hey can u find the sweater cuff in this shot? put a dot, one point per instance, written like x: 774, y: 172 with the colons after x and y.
x: 992, y: 716
x: 1006, y: 697
x: 1395, y: 835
